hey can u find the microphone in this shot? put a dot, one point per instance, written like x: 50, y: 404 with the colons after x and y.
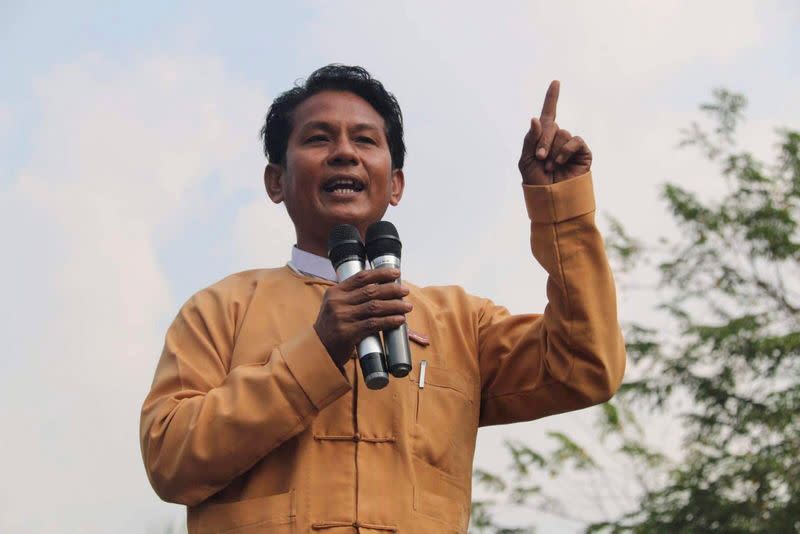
x: 383, y: 249
x: 346, y: 252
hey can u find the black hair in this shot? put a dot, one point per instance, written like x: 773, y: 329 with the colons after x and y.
x: 334, y: 77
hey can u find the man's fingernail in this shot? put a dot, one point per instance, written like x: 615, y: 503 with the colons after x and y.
x: 541, y: 152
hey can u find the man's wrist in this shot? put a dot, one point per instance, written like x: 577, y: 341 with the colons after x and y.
x: 560, y: 201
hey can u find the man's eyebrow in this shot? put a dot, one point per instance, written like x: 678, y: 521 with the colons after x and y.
x: 328, y: 127
x: 318, y: 125
x: 365, y: 126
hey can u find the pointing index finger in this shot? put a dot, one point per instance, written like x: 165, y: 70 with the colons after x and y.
x: 550, y: 101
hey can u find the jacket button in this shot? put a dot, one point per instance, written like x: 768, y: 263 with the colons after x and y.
x: 357, y: 437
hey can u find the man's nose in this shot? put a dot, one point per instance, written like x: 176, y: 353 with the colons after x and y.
x: 343, y: 153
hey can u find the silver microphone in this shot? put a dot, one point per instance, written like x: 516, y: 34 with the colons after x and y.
x: 383, y: 248
x: 346, y: 252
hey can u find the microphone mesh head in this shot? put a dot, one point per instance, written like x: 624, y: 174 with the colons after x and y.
x: 382, y: 239
x: 344, y: 242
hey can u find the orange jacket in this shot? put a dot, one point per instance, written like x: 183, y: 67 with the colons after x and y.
x: 252, y: 426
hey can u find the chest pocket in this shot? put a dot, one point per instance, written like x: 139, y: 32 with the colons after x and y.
x: 445, y: 419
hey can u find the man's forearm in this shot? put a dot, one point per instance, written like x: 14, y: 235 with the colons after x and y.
x: 196, y: 439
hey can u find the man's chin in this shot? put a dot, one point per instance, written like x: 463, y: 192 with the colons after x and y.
x: 355, y: 215
x: 358, y: 219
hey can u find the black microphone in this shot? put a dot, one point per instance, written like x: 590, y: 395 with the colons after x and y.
x: 383, y: 248
x: 346, y: 252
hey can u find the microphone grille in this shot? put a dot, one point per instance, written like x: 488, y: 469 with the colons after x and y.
x: 382, y: 239
x: 344, y: 242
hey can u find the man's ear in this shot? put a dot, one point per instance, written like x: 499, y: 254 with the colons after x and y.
x: 398, y: 184
x: 273, y: 182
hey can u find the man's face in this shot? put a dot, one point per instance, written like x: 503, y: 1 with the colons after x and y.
x: 337, y: 169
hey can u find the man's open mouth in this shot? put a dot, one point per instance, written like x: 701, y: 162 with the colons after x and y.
x: 343, y: 185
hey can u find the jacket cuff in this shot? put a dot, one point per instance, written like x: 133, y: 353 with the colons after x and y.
x: 554, y: 203
x: 313, y: 368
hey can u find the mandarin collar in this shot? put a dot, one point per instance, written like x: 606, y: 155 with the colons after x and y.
x: 311, y: 265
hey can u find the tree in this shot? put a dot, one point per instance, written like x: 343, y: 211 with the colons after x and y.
x: 723, y: 363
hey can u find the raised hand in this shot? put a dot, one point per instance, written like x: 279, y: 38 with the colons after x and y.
x: 550, y: 154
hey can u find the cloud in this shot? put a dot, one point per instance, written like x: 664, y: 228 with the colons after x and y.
x: 118, y: 161
x: 5, y: 121
x: 263, y: 235
x: 643, y: 44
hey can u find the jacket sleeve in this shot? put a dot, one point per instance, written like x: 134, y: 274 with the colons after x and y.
x: 573, y: 355
x: 201, y: 426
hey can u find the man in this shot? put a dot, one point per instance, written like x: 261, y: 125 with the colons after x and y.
x: 258, y: 418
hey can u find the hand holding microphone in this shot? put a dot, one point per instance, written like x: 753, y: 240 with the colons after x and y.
x: 360, y: 306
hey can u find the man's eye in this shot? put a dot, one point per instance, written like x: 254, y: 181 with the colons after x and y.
x: 315, y: 138
x: 369, y: 140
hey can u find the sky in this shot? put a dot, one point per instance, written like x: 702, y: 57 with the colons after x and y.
x: 131, y: 177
